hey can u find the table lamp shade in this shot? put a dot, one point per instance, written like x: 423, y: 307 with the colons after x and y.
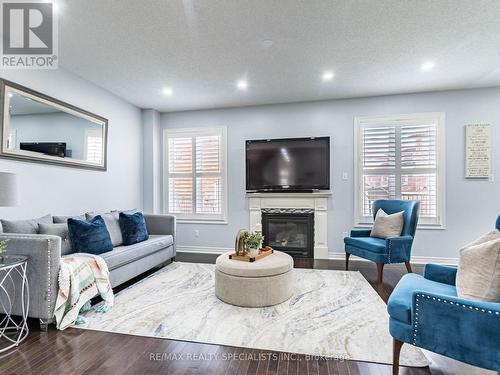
x: 9, y: 190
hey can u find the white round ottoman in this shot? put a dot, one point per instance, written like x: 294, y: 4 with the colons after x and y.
x: 265, y: 282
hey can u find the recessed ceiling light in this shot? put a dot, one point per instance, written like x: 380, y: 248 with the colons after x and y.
x: 428, y: 65
x: 242, y: 84
x: 327, y: 76
x: 268, y: 43
x: 167, y: 91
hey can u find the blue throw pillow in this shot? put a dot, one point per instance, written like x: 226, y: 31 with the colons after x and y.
x: 133, y: 227
x: 89, y: 236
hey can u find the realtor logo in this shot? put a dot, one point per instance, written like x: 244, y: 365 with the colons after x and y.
x: 29, y: 35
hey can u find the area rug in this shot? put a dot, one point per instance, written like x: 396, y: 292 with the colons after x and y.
x: 334, y: 314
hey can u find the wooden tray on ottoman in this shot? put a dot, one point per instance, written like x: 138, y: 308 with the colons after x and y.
x: 247, y: 258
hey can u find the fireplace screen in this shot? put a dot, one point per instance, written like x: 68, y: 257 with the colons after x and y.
x: 292, y: 233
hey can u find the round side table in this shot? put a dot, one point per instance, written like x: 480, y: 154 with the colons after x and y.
x: 12, y: 270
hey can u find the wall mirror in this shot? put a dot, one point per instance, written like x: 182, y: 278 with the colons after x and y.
x: 38, y: 128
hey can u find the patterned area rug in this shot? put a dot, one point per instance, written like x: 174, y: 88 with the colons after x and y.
x: 331, y: 313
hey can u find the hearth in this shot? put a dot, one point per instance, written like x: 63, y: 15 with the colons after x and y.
x: 290, y: 231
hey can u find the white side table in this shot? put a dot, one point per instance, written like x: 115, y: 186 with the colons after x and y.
x: 13, y: 332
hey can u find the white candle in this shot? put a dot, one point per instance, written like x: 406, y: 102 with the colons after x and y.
x: 258, y: 227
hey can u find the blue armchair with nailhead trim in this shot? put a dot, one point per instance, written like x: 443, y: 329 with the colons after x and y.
x: 426, y: 312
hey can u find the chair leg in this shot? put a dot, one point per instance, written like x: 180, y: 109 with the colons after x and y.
x: 347, y: 255
x: 44, y: 325
x: 408, y: 267
x: 396, y: 349
x: 380, y: 275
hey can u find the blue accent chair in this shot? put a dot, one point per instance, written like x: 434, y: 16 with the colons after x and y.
x: 426, y: 312
x: 390, y: 250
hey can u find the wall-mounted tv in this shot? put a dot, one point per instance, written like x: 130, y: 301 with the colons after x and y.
x: 292, y: 164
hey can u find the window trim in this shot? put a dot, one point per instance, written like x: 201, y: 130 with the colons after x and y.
x: 196, y: 218
x: 439, y: 118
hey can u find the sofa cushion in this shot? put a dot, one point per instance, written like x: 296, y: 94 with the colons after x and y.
x: 133, y: 227
x: 377, y: 245
x: 387, y: 225
x: 478, y: 274
x: 401, y: 299
x: 123, y: 255
x: 29, y: 226
x: 61, y: 230
x: 112, y: 224
x: 89, y: 237
x: 64, y: 219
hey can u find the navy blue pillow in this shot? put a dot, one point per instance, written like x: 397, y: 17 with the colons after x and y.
x: 133, y: 227
x: 89, y: 236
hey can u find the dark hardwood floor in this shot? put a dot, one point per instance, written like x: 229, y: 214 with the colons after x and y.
x: 75, y: 351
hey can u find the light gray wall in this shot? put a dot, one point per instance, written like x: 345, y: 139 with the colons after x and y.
x: 472, y: 206
x: 152, y: 160
x: 63, y: 190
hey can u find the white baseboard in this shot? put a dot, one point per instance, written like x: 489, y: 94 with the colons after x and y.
x: 414, y: 259
x: 436, y: 260
x: 331, y: 255
x: 203, y: 249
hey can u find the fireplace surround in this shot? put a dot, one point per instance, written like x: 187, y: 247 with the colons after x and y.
x: 316, y: 203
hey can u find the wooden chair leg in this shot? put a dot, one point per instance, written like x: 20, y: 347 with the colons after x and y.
x: 380, y: 275
x: 347, y: 255
x: 408, y: 267
x: 396, y: 350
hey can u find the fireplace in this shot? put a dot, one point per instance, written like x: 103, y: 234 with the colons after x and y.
x: 290, y: 231
x: 315, y: 203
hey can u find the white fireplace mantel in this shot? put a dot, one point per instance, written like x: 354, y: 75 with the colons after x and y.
x: 318, y: 201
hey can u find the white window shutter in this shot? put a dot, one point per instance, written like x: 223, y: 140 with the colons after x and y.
x: 418, y: 146
x: 208, y: 179
x: 180, y: 181
x: 419, y: 164
x: 379, y: 147
x: 180, y: 155
x: 196, y: 174
x: 399, y: 158
x: 94, y: 146
x: 379, y: 164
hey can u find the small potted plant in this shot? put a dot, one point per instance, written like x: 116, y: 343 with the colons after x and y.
x: 252, y: 242
x: 3, y: 248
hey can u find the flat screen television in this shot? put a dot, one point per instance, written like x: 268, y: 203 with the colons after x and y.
x: 293, y: 164
x: 47, y: 148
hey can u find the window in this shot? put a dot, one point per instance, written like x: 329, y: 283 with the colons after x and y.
x: 401, y: 157
x: 11, y: 141
x: 195, y: 174
x: 93, y: 145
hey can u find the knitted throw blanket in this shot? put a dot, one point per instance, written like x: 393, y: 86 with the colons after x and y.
x: 81, y: 278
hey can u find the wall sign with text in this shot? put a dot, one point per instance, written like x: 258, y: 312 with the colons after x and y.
x: 477, y: 151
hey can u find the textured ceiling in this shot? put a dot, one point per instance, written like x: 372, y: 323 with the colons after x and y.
x: 201, y: 48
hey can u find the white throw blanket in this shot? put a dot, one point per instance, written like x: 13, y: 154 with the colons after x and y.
x: 81, y: 278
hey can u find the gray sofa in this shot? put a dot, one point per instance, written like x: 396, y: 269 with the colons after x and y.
x: 124, y: 262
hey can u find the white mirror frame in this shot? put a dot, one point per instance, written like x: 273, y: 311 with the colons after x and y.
x: 7, y: 87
